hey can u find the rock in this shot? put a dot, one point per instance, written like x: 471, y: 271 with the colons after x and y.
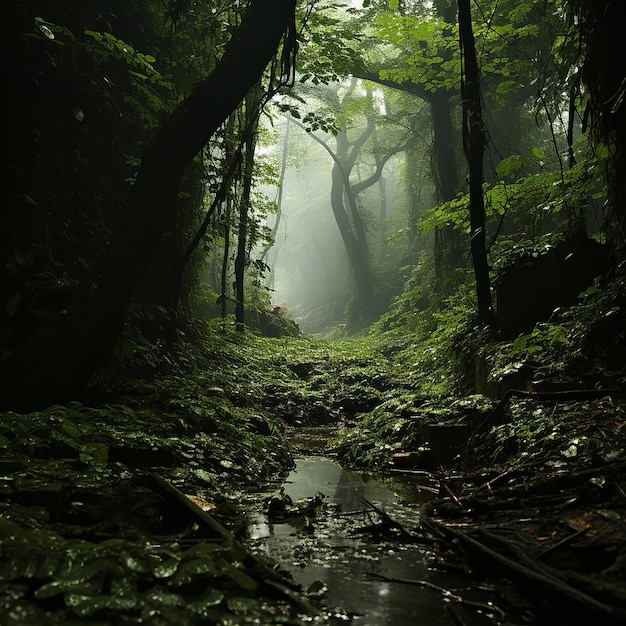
x: 530, y: 289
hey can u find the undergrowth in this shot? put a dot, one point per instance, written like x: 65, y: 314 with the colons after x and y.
x: 212, y: 425
x: 101, y: 548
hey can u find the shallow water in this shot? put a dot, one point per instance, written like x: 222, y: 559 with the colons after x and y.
x: 339, y: 554
x: 319, y: 474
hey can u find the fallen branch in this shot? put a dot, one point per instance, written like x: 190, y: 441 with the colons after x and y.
x: 268, y: 576
x: 451, y: 493
x: 560, y: 482
x: 448, y: 595
x: 167, y: 491
x: 390, y: 521
x: 559, y: 544
x: 517, y: 570
x: 303, y: 605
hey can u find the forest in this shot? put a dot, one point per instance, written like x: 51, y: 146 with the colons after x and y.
x: 313, y: 311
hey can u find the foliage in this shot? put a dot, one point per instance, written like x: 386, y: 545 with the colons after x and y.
x: 400, y: 424
x: 330, y: 44
x: 438, y: 337
x: 433, y: 43
x: 106, y: 81
x: 536, y: 434
x: 541, y: 201
x: 128, y: 581
x: 425, y: 39
x: 90, y: 446
x: 214, y: 427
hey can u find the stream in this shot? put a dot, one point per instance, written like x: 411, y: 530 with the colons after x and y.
x: 334, y: 550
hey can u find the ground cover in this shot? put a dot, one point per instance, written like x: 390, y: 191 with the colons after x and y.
x: 96, y: 526
x: 86, y: 537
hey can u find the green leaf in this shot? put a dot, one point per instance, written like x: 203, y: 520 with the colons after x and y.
x: 43, y: 28
x: 509, y: 166
x: 84, y: 605
x: 167, y: 568
x: 84, y: 573
x: 538, y: 152
x: 209, y: 597
x: 188, y: 570
x: 99, y: 452
x: 68, y: 427
x: 203, y: 548
x: 610, y: 514
x: 49, y: 590
x: 570, y: 452
x: 243, y: 605
x: 204, y: 475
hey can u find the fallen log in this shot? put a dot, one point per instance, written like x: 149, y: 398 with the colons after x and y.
x: 271, y: 578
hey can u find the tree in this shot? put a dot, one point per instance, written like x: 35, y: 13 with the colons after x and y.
x: 474, y: 144
x: 350, y: 147
x: 59, y: 357
x: 424, y: 48
x: 420, y: 56
x: 601, y: 54
x: 251, y: 111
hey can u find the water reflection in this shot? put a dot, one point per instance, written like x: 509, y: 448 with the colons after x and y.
x: 343, y: 558
x: 259, y: 526
x: 319, y: 474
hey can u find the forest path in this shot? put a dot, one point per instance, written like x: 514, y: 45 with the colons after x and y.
x: 536, y: 518
x: 85, y: 539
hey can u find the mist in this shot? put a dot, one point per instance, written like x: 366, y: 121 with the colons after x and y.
x: 311, y: 275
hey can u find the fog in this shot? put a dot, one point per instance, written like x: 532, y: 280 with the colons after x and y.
x: 311, y: 275
x: 311, y: 272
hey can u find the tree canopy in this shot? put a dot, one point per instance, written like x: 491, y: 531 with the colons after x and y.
x: 137, y: 142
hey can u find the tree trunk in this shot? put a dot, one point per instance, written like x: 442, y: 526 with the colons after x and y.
x: 279, y: 200
x: 382, y: 219
x: 59, y: 358
x: 448, y: 251
x: 445, y: 138
x: 474, y: 144
x: 223, y: 299
x: 601, y: 25
x: 356, y: 251
x: 443, y: 159
x: 250, y: 126
x: 349, y: 221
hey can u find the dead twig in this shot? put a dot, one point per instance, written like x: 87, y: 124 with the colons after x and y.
x: 560, y: 544
x: 303, y: 605
x: 542, y: 580
x: 392, y: 523
x: 449, y: 491
x: 444, y: 592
